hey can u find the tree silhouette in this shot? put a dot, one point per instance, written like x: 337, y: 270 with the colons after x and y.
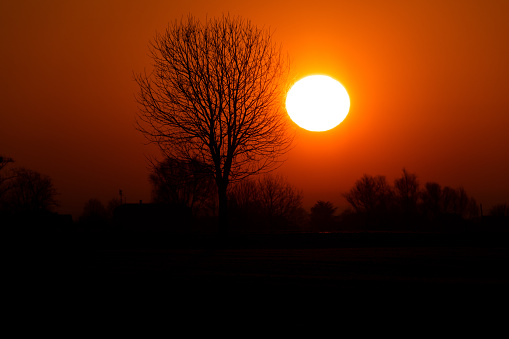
x: 437, y: 202
x: 499, y: 210
x: 406, y: 193
x: 243, y: 198
x: 182, y: 183
x: 322, y: 214
x: 4, y: 161
x: 370, y: 195
x: 431, y: 198
x: 270, y: 199
x: 30, y: 192
x: 457, y: 202
x: 216, y: 95
x: 278, y: 198
x: 406, y: 205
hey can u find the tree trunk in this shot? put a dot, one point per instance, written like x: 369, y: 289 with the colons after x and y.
x: 223, y: 210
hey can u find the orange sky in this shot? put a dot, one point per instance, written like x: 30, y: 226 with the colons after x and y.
x: 428, y: 82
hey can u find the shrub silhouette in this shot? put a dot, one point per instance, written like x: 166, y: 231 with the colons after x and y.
x: 322, y: 215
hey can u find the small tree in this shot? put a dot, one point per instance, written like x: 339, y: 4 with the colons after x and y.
x: 450, y: 199
x: 431, y: 198
x: 473, y: 208
x: 370, y: 195
x: 4, y: 161
x: 456, y: 202
x: 322, y: 214
x: 278, y: 198
x: 243, y: 197
x: 270, y: 199
x: 406, y: 193
x: 500, y: 210
x: 182, y: 183
x: 216, y: 95
x: 31, y: 192
x: 437, y: 202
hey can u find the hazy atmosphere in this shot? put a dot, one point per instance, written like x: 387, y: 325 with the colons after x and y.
x: 428, y: 84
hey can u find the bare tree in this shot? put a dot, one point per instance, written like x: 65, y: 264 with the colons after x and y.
x: 458, y: 202
x: 4, y: 161
x: 500, y: 210
x: 182, y: 183
x: 244, y: 197
x: 406, y: 192
x: 370, y: 195
x: 216, y: 95
x: 278, y: 198
x: 437, y: 201
x: 473, y: 208
x: 270, y: 199
x: 431, y: 197
x: 31, y: 192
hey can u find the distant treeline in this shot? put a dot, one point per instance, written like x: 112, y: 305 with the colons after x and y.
x: 406, y: 205
x: 184, y: 199
x: 270, y: 203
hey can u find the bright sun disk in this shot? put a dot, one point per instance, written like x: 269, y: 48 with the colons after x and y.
x: 317, y: 103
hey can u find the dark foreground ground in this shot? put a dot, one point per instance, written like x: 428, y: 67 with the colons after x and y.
x: 146, y: 263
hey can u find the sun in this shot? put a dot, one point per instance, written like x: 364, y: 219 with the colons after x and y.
x: 317, y: 103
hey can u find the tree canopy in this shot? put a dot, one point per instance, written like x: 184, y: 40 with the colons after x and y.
x: 216, y: 95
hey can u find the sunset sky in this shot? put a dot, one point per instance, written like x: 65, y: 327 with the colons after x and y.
x: 428, y: 83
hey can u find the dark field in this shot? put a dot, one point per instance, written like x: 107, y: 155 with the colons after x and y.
x: 285, y: 262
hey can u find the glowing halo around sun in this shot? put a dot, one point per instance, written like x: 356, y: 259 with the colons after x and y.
x: 317, y: 103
